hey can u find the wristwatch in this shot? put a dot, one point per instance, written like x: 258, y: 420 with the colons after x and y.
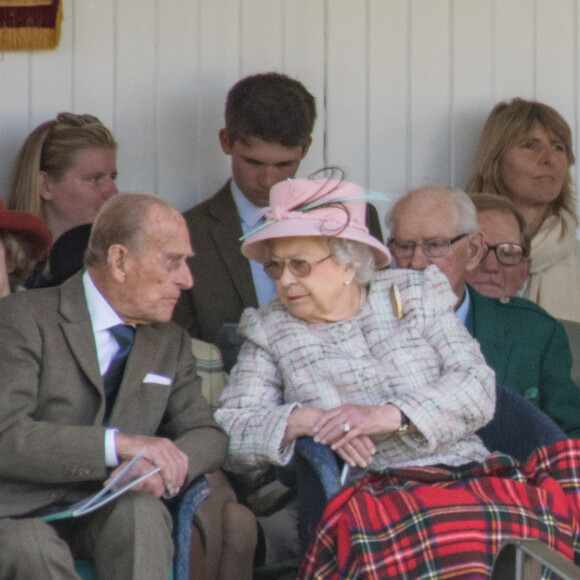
x: 405, y: 422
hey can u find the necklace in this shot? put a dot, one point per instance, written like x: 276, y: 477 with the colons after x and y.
x: 363, y: 298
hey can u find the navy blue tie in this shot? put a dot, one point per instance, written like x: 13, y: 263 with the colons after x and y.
x: 125, y: 337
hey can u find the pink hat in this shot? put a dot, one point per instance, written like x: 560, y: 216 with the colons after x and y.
x: 314, y: 207
x: 31, y: 228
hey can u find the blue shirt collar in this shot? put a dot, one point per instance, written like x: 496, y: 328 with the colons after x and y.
x: 463, y: 309
x: 246, y: 209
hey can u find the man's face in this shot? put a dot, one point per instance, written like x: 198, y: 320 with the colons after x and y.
x: 491, y: 278
x: 258, y: 165
x: 156, y: 273
x: 429, y: 216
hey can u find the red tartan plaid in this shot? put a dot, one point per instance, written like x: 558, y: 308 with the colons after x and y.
x: 433, y: 523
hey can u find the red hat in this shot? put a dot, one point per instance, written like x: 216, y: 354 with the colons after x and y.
x: 31, y: 228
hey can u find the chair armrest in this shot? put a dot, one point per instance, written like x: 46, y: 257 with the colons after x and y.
x: 196, y: 493
x: 522, y: 558
x: 318, y: 479
x: 322, y: 461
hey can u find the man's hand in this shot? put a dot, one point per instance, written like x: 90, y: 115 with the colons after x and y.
x: 161, y: 453
x: 152, y: 484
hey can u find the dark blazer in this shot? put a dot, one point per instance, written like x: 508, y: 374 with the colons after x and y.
x: 223, y: 284
x: 529, y: 352
x: 52, y: 399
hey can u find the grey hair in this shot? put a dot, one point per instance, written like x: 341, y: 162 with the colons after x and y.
x: 358, y: 255
x: 465, y: 211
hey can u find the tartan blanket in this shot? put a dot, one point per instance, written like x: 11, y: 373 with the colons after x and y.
x: 433, y: 523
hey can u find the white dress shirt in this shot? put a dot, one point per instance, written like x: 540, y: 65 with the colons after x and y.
x: 264, y: 285
x: 103, y: 317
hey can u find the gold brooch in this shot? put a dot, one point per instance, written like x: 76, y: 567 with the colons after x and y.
x: 396, y: 302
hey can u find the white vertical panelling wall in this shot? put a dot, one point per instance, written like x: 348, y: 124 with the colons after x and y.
x: 136, y: 82
x: 402, y: 86
x: 472, y: 81
x: 304, y: 59
x: 178, y: 95
x: 430, y: 98
x: 346, y: 87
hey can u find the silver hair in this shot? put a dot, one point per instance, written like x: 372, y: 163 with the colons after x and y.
x: 358, y: 255
x: 465, y: 211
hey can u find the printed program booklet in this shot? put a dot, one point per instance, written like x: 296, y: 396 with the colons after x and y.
x: 114, y: 488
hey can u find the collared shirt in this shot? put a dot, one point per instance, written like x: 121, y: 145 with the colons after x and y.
x: 463, y: 309
x: 264, y: 285
x: 103, y: 317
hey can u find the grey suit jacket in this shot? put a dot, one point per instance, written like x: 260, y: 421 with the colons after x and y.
x: 52, y: 399
x: 223, y: 284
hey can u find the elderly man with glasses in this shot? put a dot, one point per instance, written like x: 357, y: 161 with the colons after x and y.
x: 526, y: 347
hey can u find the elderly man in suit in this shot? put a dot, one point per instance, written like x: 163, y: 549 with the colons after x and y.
x: 526, y: 347
x: 65, y: 426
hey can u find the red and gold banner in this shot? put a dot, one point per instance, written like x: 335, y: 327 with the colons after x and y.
x: 30, y: 24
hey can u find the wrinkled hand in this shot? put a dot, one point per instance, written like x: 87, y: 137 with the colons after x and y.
x: 152, y: 484
x: 347, y: 429
x: 301, y: 422
x: 161, y: 453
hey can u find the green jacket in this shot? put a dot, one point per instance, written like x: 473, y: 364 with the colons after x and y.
x: 529, y: 352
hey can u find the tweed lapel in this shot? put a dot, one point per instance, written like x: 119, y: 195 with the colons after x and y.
x: 78, y: 330
x: 142, y: 360
x: 226, y: 232
x: 486, y: 324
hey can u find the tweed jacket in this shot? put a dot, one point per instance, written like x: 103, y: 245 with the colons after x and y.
x: 425, y: 363
x: 52, y: 402
x: 223, y: 284
x: 529, y: 352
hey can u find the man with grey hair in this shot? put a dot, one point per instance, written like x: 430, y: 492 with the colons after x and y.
x: 525, y: 346
x: 94, y: 373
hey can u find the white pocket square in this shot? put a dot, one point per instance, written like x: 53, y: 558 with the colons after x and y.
x: 159, y: 379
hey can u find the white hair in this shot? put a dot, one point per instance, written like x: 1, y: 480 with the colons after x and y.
x: 358, y: 255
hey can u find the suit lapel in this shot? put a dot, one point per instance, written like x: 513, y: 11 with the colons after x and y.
x: 78, y: 330
x: 227, y: 239
x: 486, y: 324
x: 142, y: 359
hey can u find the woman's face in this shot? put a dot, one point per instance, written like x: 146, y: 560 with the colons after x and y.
x: 322, y: 295
x: 533, y: 170
x: 76, y: 199
x: 4, y: 280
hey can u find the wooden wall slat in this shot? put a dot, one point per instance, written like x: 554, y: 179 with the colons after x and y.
x: 346, y: 88
x: 135, y: 100
x: 402, y: 86
x: 93, y: 59
x: 304, y: 59
x: 430, y: 70
x: 472, y: 82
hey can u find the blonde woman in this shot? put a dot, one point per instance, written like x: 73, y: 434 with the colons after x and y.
x: 525, y: 154
x: 64, y: 172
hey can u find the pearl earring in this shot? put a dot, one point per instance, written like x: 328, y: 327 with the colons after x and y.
x: 347, y: 282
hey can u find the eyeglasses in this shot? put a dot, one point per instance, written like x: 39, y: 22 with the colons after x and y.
x: 300, y: 268
x: 507, y: 254
x: 434, y: 248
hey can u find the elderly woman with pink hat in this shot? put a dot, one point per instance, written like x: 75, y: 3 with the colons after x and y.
x: 24, y: 239
x: 374, y: 363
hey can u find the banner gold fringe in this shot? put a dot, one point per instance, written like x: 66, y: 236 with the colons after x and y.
x: 32, y: 37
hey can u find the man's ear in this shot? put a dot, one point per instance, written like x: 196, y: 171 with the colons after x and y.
x: 45, y: 186
x: 117, y: 260
x: 476, y: 248
x: 225, y: 143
